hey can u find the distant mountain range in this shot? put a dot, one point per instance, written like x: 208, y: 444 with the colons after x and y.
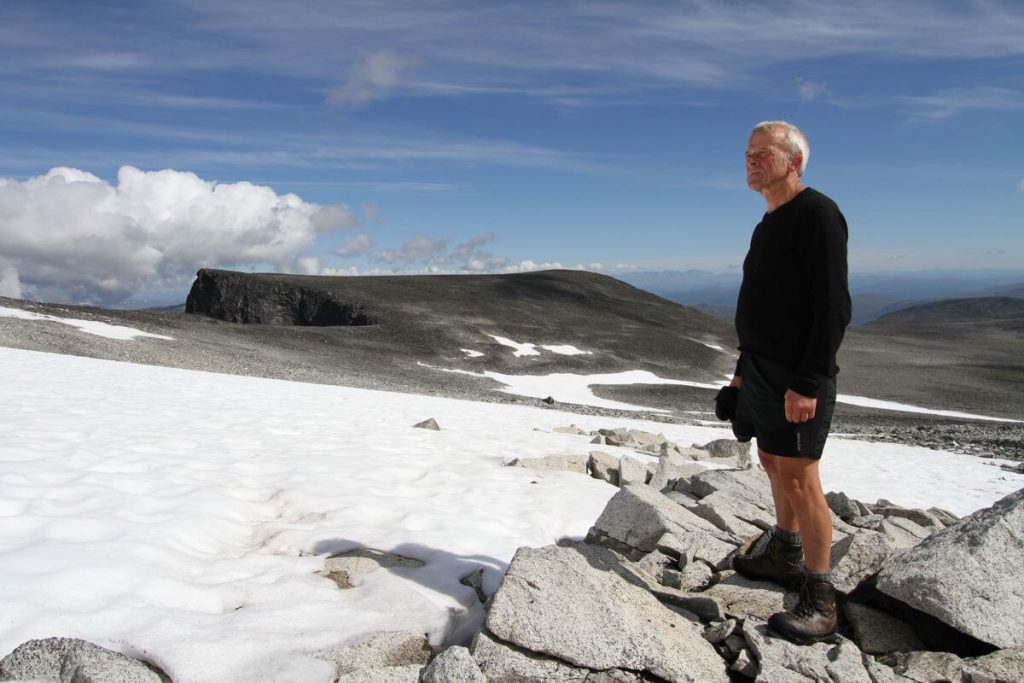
x: 874, y: 294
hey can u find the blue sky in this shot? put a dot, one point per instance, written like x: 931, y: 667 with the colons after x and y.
x: 397, y: 137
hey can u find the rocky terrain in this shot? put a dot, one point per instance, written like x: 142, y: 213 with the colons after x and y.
x: 649, y: 595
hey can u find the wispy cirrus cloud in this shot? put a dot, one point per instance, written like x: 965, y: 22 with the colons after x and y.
x: 951, y: 102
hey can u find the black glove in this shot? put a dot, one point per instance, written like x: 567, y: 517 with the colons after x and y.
x: 725, y: 402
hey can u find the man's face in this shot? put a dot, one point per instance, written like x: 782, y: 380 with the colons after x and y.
x: 768, y: 161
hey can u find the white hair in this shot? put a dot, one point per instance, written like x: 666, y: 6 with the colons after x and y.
x: 796, y: 141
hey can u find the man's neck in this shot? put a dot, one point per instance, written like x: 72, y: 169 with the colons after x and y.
x: 777, y: 196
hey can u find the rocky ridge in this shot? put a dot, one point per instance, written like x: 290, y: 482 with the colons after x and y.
x: 649, y: 596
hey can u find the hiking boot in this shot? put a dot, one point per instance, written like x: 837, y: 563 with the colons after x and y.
x: 771, y: 560
x: 812, y: 619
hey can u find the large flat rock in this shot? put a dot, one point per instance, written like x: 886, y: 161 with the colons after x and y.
x: 570, y: 604
x: 969, y: 575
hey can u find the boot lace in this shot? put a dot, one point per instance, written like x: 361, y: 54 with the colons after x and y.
x: 805, y: 604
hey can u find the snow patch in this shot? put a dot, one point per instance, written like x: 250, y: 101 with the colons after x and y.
x: 100, y: 329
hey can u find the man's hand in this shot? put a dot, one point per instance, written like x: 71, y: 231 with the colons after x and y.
x: 799, y: 408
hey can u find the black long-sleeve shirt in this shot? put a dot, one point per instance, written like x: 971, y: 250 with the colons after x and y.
x: 794, y: 303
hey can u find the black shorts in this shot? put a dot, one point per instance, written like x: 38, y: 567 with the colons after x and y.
x: 761, y: 411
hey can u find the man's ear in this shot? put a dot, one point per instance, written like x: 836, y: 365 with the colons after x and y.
x: 796, y: 161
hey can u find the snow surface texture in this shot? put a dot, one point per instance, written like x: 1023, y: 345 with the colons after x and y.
x: 184, y: 514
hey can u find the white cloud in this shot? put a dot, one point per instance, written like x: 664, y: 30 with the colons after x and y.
x: 354, y: 246
x: 810, y: 91
x: 71, y: 236
x: 951, y: 102
x: 371, y: 79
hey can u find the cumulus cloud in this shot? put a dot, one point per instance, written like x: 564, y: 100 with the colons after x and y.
x: 372, y: 79
x: 71, y: 236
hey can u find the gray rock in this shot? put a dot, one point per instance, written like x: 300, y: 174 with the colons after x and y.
x: 734, y: 516
x: 717, y: 633
x: 632, y: 471
x: 913, y: 528
x: 968, y: 575
x: 571, y: 429
x: 504, y: 663
x: 694, y: 576
x: 379, y: 651
x: 565, y: 463
x: 604, y: 466
x: 429, y: 423
x: 454, y: 665
x: 857, y: 557
x: 843, y: 506
x: 70, y: 660
x: 726, y: 448
x: 671, y: 468
x: 869, y: 521
x: 744, y: 597
x: 599, y: 440
x: 561, y: 603
x: 1002, y: 666
x: 922, y: 518
x: 631, y: 438
x: 898, y: 534
x: 928, y: 667
x: 780, y: 661
x: 946, y: 517
x: 637, y: 517
x: 880, y: 673
x: 749, y: 485
x: 878, y: 633
x: 475, y: 580
x: 383, y: 674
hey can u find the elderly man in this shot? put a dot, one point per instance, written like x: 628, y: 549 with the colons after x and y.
x: 793, y: 308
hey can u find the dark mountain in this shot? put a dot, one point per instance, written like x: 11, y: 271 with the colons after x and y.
x: 978, y: 309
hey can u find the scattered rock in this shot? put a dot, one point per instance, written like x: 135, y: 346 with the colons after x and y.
x: 504, y: 662
x: 631, y: 438
x: 632, y: 471
x: 604, y: 466
x: 565, y: 463
x: 968, y: 575
x: 744, y: 597
x: 637, y: 517
x: 454, y: 665
x: 671, y: 468
x: 572, y: 429
x: 429, y: 423
x: 549, y: 400
x: 75, y: 661
x: 726, y: 448
x: 748, y: 485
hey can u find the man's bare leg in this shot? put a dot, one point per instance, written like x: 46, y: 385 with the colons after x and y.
x: 800, y: 484
x: 785, y: 518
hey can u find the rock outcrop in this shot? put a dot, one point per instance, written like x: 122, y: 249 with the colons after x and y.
x: 238, y: 298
